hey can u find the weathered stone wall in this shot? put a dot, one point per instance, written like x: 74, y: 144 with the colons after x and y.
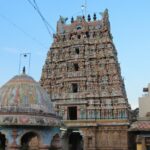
x: 112, y: 137
x: 105, y: 137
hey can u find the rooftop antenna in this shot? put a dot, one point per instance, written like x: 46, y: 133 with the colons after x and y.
x: 24, y: 63
x: 84, y: 8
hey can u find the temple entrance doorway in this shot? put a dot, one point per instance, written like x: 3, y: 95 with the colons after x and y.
x: 2, y: 141
x: 30, y: 141
x: 75, y: 141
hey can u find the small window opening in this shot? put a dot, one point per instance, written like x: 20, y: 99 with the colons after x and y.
x: 77, y: 50
x: 74, y: 87
x: 72, y: 113
x: 87, y: 34
x: 79, y: 36
x: 76, y: 67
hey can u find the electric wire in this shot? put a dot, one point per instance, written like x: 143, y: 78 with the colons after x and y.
x: 47, y: 25
x: 44, y: 17
x: 22, y: 30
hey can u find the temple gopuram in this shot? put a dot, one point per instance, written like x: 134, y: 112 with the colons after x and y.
x: 83, y: 77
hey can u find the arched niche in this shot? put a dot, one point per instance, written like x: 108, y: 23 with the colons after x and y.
x: 30, y: 141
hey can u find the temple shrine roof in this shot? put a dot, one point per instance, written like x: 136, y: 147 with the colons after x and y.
x: 140, y: 126
x: 23, y: 98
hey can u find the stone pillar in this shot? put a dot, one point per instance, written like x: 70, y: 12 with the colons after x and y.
x: 13, y: 145
x: 143, y: 144
x: 65, y: 140
x: 85, y: 142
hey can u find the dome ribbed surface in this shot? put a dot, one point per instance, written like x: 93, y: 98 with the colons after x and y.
x: 23, y: 93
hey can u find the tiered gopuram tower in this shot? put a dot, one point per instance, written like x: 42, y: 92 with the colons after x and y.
x: 83, y: 77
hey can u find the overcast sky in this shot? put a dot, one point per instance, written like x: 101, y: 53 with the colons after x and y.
x: 22, y: 31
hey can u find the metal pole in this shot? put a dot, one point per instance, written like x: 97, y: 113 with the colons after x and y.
x: 19, y: 63
x: 29, y: 62
x: 85, y: 7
